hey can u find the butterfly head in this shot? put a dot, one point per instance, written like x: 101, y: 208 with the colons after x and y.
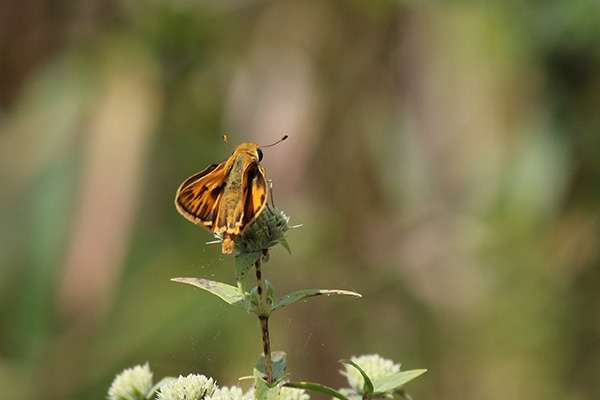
x: 253, y: 150
x: 250, y: 149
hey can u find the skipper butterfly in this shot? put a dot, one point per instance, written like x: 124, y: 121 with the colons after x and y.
x: 225, y: 198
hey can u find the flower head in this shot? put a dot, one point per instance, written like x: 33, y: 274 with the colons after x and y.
x: 191, y: 387
x: 230, y: 393
x: 264, y: 232
x: 375, y: 366
x: 288, y: 393
x: 131, y: 384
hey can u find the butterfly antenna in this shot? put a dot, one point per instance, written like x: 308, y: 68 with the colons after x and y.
x: 225, y: 139
x: 280, y: 140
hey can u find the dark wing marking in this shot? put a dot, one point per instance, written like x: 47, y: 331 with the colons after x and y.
x: 254, y: 196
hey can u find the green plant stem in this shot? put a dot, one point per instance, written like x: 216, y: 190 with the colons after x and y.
x: 263, y: 316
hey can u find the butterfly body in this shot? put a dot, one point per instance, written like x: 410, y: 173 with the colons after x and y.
x: 225, y: 198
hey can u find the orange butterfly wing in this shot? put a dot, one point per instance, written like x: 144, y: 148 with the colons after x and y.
x: 198, y: 198
x: 254, y: 195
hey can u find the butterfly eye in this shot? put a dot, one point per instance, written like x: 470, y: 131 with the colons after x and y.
x: 259, y: 154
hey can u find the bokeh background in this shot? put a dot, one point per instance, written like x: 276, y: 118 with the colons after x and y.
x: 443, y: 159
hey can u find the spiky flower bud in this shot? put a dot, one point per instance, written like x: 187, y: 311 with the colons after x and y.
x: 264, y: 232
x: 131, y: 384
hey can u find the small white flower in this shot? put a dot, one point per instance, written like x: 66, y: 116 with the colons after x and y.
x: 131, y: 384
x: 191, y: 387
x: 374, y: 366
x: 288, y: 393
x: 231, y: 393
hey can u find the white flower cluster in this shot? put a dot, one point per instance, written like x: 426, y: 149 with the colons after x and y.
x: 191, y: 387
x: 235, y: 393
x: 288, y: 393
x: 136, y: 384
x: 132, y: 384
x: 231, y: 393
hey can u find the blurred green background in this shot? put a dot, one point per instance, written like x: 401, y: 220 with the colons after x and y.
x: 443, y: 159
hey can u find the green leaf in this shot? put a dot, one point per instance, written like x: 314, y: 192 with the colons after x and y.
x: 270, y: 293
x: 263, y: 391
x: 285, y: 244
x: 243, y: 263
x: 316, y: 387
x: 393, y: 382
x: 304, y: 294
x: 278, y: 364
x: 229, y: 294
x: 368, y: 386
